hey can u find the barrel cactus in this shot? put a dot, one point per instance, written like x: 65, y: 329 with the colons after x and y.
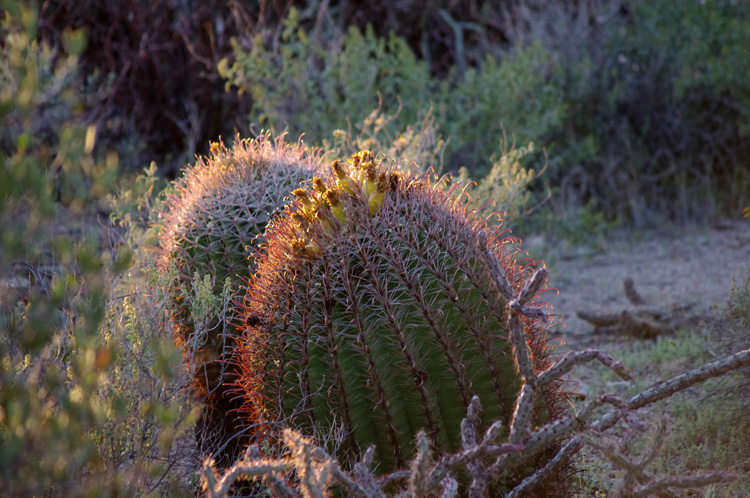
x: 216, y: 213
x: 372, y: 315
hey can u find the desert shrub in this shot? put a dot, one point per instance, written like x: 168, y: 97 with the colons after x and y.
x: 506, y: 187
x: 307, y: 84
x: 322, y: 89
x: 421, y: 142
x: 517, y: 95
x: 314, y: 86
x: 49, y: 152
x: 662, y: 112
x: 644, y: 125
x: 67, y: 425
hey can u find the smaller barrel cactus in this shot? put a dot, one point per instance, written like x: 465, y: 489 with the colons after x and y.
x: 216, y: 213
x: 371, y: 312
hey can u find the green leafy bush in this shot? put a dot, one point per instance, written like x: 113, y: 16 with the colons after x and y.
x: 517, y: 95
x: 662, y: 114
x: 307, y: 84
x: 644, y: 126
x: 74, y: 401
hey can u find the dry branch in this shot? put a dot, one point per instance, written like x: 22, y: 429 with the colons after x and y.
x: 683, y: 481
x: 668, y: 388
x: 633, y: 296
x: 641, y: 322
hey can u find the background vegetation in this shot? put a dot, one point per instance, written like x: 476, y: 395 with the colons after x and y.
x: 588, y: 113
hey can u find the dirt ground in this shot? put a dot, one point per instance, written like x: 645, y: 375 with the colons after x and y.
x: 690, y: 268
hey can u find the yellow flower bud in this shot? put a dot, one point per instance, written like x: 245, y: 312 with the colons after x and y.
x: 343, y: 182
x: 374, y: 202
x: 303, y: 196
x: 318, y: 185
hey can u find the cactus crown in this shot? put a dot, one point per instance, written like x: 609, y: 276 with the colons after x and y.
x: 371, y: 311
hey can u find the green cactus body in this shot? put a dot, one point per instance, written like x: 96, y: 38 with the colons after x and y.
x: 222, y: 203
x: 215, y: 215
x: 382, y: 321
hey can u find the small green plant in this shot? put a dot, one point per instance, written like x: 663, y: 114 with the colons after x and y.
x: 506, y: 187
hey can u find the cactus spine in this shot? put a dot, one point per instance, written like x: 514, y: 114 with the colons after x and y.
x: 371, y: 309
x: 216, y: 212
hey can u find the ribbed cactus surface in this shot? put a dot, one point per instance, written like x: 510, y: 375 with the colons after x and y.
x: 214, y: 216
x: 371, y: 312
x: 223, y: 202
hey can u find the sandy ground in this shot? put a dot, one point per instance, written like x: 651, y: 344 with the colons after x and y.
x: 691, y: 268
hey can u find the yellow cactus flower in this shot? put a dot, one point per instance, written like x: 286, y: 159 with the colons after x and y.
x: 303, y: 196
x: 310, y: 207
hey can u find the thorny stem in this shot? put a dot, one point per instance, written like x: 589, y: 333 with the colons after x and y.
x: 420, y: 467
x: 470, y: 424
x: 530, y: 288
x: 676, y: 384
x: 561, y: 459
x: 251, y: 468
x: 522, y: 415
x: 364, y: 481
x: 458, y: 460
x: 493, y: 266
x: 574, y: 358
x: 450, y: 487
x: 558, y: 429
x: 521, y: 351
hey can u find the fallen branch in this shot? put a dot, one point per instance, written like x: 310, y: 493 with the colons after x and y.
x: 641, y: 322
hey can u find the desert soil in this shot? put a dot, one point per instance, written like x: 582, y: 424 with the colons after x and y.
x: 691, y: 268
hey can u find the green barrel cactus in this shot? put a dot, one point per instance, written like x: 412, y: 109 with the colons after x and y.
x: 216, y: 216
x: 372, y: 316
